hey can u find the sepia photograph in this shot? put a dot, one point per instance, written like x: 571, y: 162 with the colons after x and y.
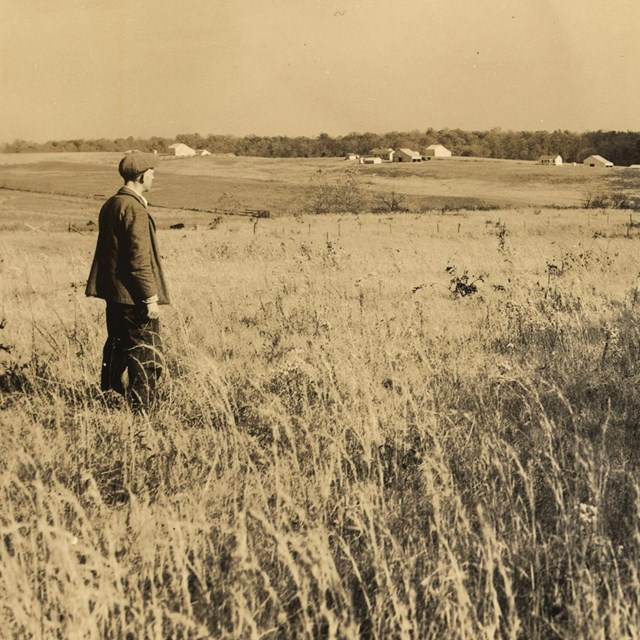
x: 319, y: 319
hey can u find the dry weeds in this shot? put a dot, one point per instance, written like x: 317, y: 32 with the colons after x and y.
x: 346, y: 449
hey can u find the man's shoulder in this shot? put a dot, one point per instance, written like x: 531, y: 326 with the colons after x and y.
x: 127, y: 195
x: 124, y: 199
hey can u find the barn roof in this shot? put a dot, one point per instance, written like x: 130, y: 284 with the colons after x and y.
x: 597, y: 157
x: 410, y: 152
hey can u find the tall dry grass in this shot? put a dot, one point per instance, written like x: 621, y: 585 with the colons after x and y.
x: 345, y: 447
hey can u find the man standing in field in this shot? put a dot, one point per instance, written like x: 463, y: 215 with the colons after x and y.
x: 126, y: 272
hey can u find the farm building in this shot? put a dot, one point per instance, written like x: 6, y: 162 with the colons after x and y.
x: 557, y: 160
x: 351, y: 156
x: 203, y: 152
x: 437, y: 151
x: 597, y: 161
x: 634, y: 166
x: 371, y: 160
x: 406, y: 155
x: 383, y: 154
x: 181, y: 150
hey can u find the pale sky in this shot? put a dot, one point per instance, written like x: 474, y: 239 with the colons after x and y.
x: 115, y: 68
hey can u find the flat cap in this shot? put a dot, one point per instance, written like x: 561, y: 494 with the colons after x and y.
x: 136, y: 162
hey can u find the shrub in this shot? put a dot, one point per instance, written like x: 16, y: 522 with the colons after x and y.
x: 608, y: 199
x: 336, y: 194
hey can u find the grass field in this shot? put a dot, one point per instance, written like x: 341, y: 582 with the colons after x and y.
x: 408, y: 426
x: 279, y: 185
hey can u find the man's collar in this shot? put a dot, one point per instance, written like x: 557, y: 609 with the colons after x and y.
x: 135, y: 194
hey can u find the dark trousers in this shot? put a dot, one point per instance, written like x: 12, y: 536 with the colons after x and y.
x: 133, y: 345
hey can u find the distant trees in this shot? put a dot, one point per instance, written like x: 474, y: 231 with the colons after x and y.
x: 193, y: 140
x: 621, y: 147
x: 98, y: 144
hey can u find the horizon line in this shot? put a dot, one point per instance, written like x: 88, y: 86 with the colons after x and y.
x: 316, y: 136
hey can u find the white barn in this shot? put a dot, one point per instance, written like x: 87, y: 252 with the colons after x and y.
x: 181, y: 150
x: 384, y: 154
x: 406, y: 155
x: 437, y: 151
x: 556, y: 160
x: 597, y: 161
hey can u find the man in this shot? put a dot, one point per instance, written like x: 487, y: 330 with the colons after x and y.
x: 126, y: 272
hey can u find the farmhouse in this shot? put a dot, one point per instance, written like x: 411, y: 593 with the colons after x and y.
x: 406, y: 155
x: 181, y: 150
x: 557, y: 160
x: 597, y: 161
x: 437, y: 151
x: 383, y: 154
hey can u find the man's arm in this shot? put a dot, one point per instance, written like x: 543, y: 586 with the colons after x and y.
x: 137, y: 249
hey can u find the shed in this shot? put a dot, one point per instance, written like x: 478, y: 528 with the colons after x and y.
x: 437, y: 151
x: 351, y: 156
x: 556, y: 160
x: 383, y: 154
x: 203, y: 152
x: 181, y: 150
x: 371, y: 160
x: 597, y: 161
x: 406, y: 155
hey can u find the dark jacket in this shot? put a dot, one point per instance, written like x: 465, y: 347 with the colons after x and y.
x: 126, y: 267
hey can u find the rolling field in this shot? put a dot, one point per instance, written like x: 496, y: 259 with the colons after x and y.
x: 376, y: 426
x: 280, y: 185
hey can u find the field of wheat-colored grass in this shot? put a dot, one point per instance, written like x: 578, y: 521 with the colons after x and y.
x: 280, y: 184
x: 374, y: 426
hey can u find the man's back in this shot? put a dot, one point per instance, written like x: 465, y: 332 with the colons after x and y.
x: 126, y: 266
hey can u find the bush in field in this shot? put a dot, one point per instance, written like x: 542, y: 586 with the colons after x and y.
x: 609, y: 199
x: 336, y: 193
x: 391, y: 202
x: 228, y: 203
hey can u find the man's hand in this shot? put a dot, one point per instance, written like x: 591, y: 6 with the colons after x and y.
x: 153, y: 310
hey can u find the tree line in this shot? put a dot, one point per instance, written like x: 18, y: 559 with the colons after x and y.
x: 620, y: 147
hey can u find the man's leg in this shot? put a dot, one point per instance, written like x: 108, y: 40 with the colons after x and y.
x: 145, y: 359
x: 114, y: 357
